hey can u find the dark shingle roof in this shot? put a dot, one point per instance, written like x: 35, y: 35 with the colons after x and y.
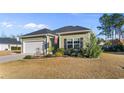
x: 70, y: 28
x: 62, y: 29
x: 42, y: 31
x: 9, y: 41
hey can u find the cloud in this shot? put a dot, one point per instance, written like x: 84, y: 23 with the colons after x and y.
x: 6, y: 24
x: 34, y: 26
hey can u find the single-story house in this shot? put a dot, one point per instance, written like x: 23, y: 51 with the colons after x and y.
x: 117, y: 42
x: 9, y: 44
x: 64, y: 37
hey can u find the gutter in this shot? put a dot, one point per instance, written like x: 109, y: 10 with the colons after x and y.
x: 74, y: 32
x: 37, y: 35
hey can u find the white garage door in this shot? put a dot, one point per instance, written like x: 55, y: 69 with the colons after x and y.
x: 31, y: 47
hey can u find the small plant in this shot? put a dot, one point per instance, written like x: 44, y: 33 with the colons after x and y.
x: 60, y: 50
x: 50, y: 50
x: 58, y: 54
x: 28, y: 57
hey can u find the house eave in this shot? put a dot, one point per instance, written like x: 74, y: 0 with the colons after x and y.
x: 73, y: 32
x: 37, y: 35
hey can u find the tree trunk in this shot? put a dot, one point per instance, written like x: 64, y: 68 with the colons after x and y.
x: 119, y: 36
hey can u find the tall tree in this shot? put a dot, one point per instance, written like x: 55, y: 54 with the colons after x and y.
x: 118, y: 22
x: 111, y: 25
x: 105, y: 26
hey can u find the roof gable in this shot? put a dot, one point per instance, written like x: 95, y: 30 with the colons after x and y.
x: 59, y: 30
x: 70, y: 29
x: 42, y: 31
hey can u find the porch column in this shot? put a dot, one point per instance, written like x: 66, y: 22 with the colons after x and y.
x: 22, y: 46
x: 47, y: 43
x: 60, y: 41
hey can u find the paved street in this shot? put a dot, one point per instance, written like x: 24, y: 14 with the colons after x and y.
x: 11, y: 57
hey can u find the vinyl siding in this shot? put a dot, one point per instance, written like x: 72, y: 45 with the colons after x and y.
x: 85, y: 36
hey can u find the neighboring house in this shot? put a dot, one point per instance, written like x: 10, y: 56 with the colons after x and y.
x: 65, y: 37
x: 117, y: 42
x: 9, y: 44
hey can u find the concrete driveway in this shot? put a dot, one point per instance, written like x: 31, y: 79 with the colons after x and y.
x: 11, y: 57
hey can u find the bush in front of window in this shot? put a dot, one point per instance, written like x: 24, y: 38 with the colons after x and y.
x: 60, y: 50
x: 83, y: 52
x: 72, y: 52
x: 93, y: 50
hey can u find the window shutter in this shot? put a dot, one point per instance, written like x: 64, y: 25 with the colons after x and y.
x: 81, y: 42
x: 65, y: 44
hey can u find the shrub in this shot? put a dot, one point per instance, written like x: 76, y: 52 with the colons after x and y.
x: 114, y: 48
x: 71, y: 52
x: 82, y: 52
x: 58, y: 54
x: 49, y: 55
x: 68, y: 52
x: 50, y: 49
x: 60, y: 50
x: 93, y: 50
x: 28, y: 57
x: 119, y: 48
x: 15, y: 48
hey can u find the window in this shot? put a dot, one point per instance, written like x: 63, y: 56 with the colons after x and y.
x: 75, y: 43
x: 69, y: 43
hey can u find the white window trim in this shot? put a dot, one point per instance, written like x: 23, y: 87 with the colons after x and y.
x: 73, y: 39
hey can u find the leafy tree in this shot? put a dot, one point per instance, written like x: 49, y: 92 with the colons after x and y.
x: 111, y: 25
x: 117, y: 22
x: 105, y: 25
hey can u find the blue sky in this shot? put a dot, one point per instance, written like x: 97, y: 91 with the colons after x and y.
x: 22, y: 23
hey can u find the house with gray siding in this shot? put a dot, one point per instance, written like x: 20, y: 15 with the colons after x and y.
x: 65, y: 37
x: 10, y: 44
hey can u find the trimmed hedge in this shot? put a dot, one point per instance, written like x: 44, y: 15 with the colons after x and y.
x: 114, y: 48
x: 15, y: 48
